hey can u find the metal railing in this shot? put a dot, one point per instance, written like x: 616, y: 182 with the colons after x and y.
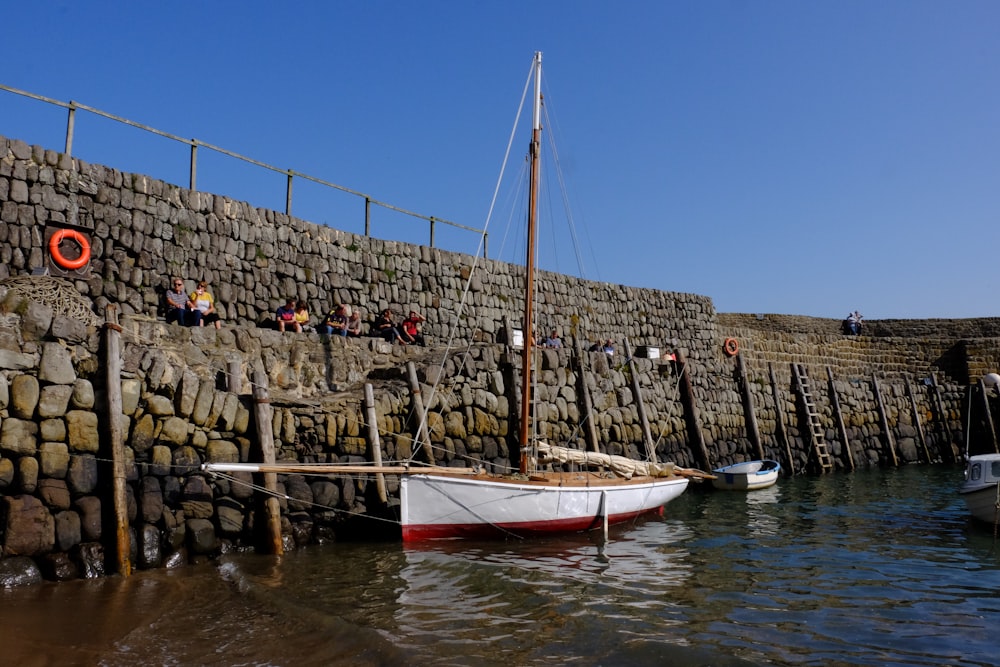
x: 195, y: 144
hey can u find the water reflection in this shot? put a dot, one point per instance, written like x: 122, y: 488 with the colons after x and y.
x: 875, y: 568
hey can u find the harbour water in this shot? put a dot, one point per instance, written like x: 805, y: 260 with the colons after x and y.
x: 871, y: 568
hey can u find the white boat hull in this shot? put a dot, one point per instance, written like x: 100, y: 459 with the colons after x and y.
x: 980, y: 489
x: 747, y: 476
x: 442, y: 506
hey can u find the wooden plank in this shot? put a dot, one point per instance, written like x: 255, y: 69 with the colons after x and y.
x: 647, y: 437
x: 779, y: 422
x: 113, y: 368
x: 691, y: 415
x: 419, y: 412
x: 265, y: 435
x: 943, y: 416
x: 374, y: 442
x: 838, y: 415
x: 749, y: 413
x: 883, y: 418
x: 916, y: 420
x: 589, y: 424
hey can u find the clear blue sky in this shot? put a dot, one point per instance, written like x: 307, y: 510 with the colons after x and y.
x: 777, y: 156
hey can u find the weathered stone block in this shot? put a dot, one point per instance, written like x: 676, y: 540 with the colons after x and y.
x: 52, y: 430
x: 53, y: 458
x: 131, y: 392
x: 82, y: 432
x: 150, y: 500
x: 31, y: 528
x: 174, y: 431
x: 68, y: 533
x: 201, y: 537
x: 89, y: 509
x: 160, y: 406
x: 160, y: 460
x: 18, y: 437
x: 27, y: 473
x: 150, y: 547
x: 56, y: 366
x: 54, y: 493
x: 221, y: 451
x: 82, y: 474
x: 24, y: 393
x: 54, y: 400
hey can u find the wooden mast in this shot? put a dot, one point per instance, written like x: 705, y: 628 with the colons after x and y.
x: 534, y: 151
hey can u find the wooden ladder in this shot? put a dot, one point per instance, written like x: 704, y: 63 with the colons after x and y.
x: 815, y: 427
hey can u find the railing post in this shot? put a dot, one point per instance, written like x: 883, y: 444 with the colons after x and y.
x: 288, y: 195
x: 432, y: 231
x: 486, y: 239
x: 70, y: 125
x: 368, y: 216
x: 194, y: 165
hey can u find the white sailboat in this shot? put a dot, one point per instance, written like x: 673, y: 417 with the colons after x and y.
x: 439, y: 502
x: 533, y: 502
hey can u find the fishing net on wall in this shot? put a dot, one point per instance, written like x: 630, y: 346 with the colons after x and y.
x: 56, y: 293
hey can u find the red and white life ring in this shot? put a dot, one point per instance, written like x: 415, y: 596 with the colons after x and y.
x: 60, y: 259
x: 731, y: 347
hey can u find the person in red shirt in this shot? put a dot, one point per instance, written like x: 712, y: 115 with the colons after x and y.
x: 410, y: 329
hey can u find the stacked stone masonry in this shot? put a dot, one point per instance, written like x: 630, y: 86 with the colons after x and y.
x: 178, y: 411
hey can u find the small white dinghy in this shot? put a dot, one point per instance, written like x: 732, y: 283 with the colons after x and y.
x: 981, y: 488
x: 747, y: 476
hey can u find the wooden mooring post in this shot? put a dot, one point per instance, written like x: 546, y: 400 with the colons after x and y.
x: 113, y: 376
x: 691, y: 416
x: 883, y: 417
x: 838, y: 415
x: 583, y: 387
x: 779, y: 423
x: 374, y: 442
x: 943, y: 416
x: 263, y: 418
x: 916, y: 420
x: 423, y: 437
x: 749, y: 413
x: 647, y: 436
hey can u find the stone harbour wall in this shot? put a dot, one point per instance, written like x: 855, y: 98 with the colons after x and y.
x: 187, y: 393
x: 186, y: 400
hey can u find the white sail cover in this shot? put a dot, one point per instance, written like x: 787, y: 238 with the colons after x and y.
x: 620, y: 465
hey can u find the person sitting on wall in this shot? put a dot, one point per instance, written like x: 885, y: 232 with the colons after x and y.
x: 179, y: 306
x: 609, y: 347
x: 853, y: 325
x: 354, y: 323
x: 285, y: 317
x: 410, y: 329
x: 386, y: 328
x: 857, y: 323
x: 204, y: 306
x: 302, y: 316
x: 335, y: 322
x: 553, y: 340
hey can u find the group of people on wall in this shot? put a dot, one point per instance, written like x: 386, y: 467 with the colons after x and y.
x: 852, y: 324
x: 194, y: 309
x: 197, y: 309
x: 343, y: 320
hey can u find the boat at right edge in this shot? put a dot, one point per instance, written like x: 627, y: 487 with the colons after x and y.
x: 981, y: 488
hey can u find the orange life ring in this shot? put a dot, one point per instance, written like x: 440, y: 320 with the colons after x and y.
x: 60, y: 259
x: 731, y: 347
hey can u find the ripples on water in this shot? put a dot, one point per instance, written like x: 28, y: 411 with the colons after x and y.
x: 875, y: 568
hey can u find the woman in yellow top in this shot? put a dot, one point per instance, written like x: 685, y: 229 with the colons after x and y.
x: 302, y: 316
x: 204, y: 307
